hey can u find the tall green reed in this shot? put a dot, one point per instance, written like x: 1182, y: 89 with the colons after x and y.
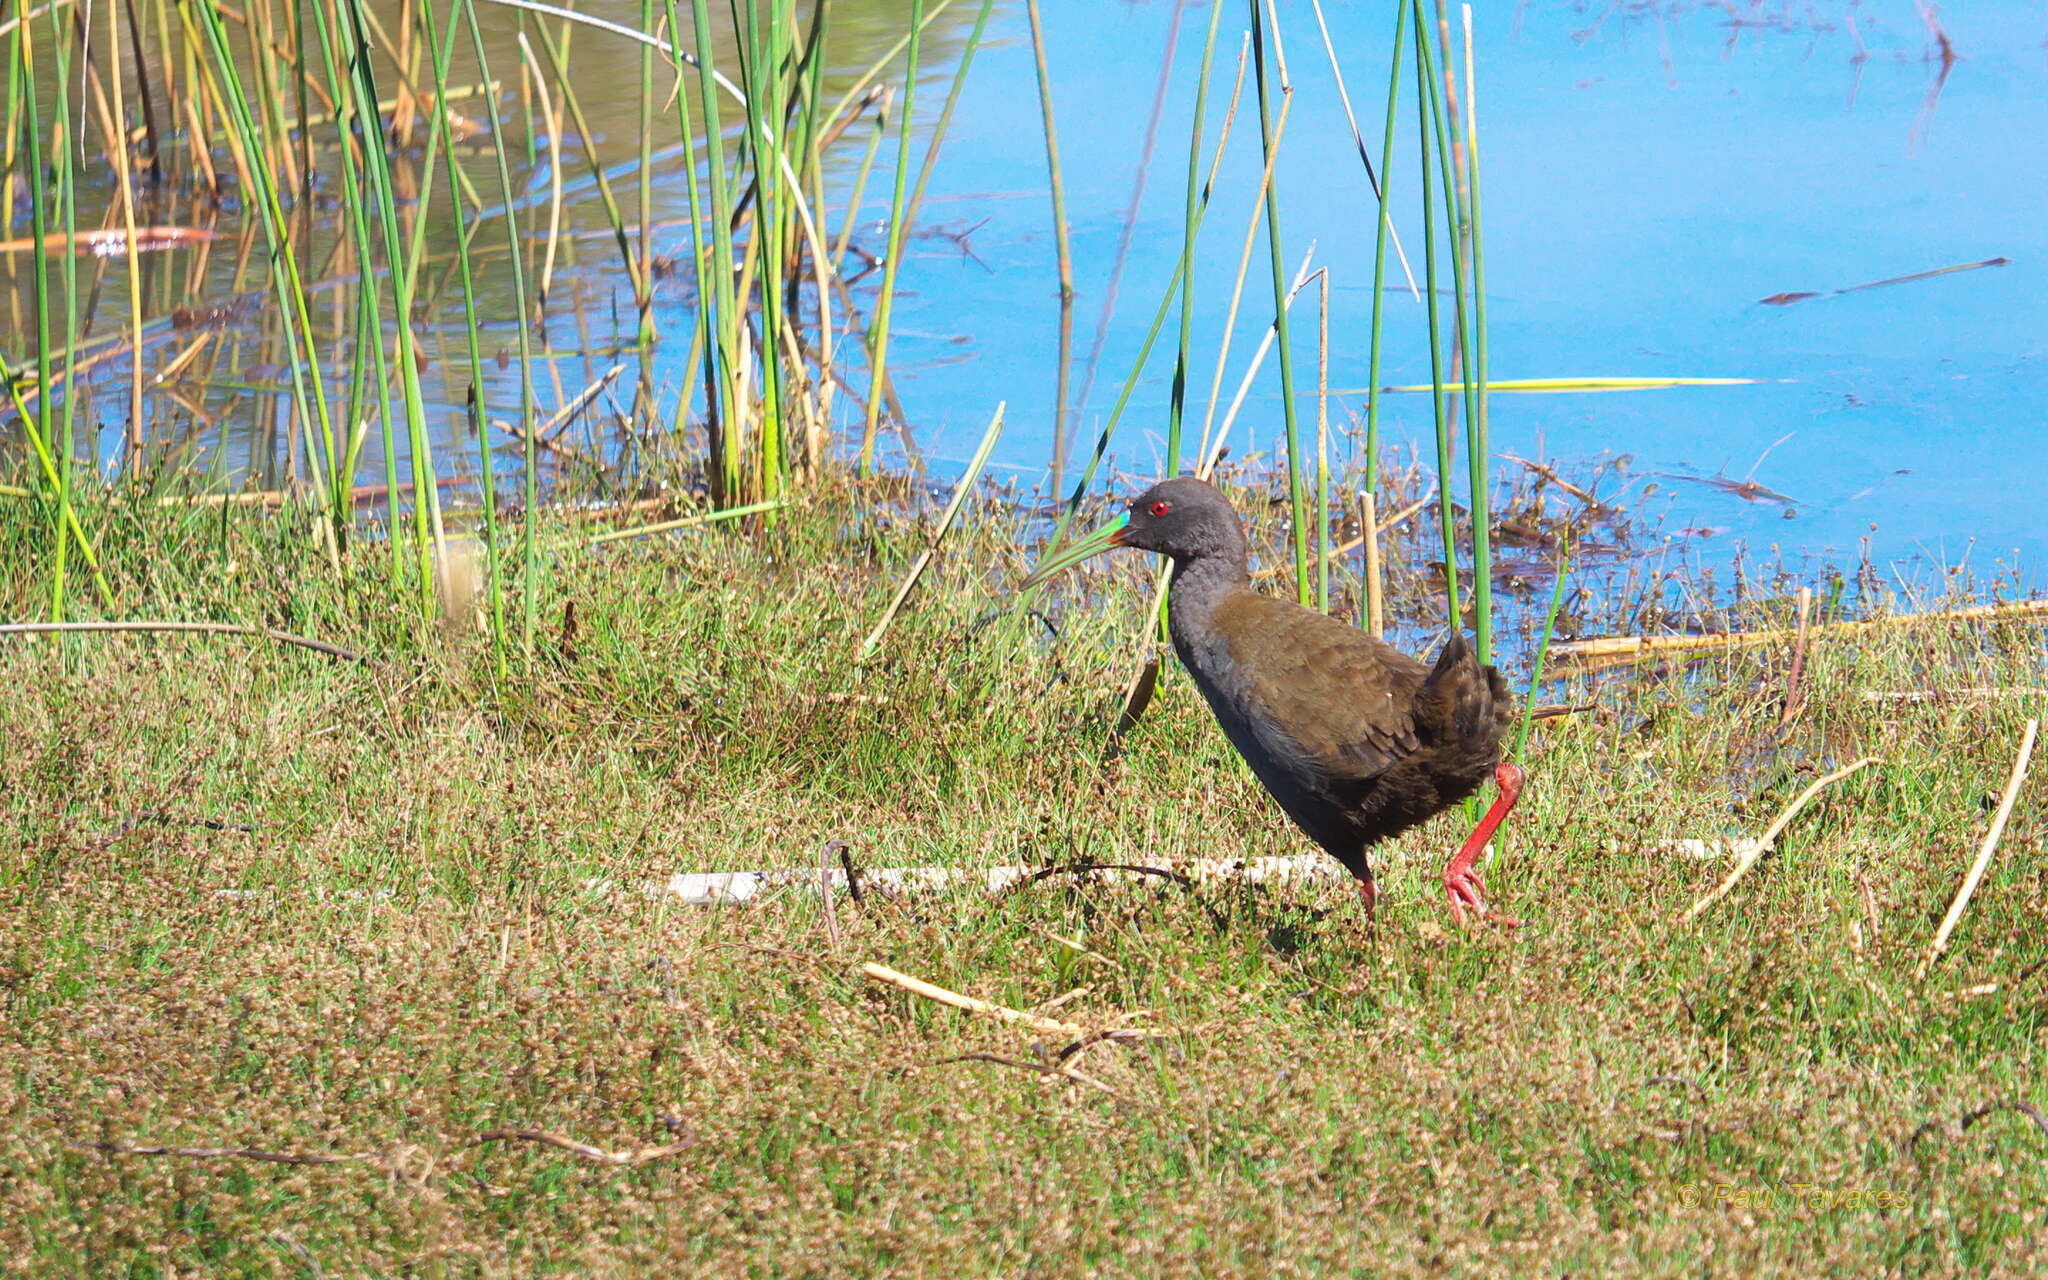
x: 1266, y: 27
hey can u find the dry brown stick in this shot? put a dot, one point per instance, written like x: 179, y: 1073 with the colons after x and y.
x: 1763, y: 845
x: 209, y: 628
x: 578, y: 403
x: 1063, y: 1072
x: 555, y: 447
x: 1550, y: 474
x: 1964, y: 1121
x: 1984, y: 851
x: 919, y: 987
x: 825, y: 853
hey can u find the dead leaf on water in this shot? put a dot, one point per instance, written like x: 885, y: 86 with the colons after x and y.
x: 1787, y: 299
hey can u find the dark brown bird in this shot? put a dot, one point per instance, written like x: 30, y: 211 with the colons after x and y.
x: 1356, y: 740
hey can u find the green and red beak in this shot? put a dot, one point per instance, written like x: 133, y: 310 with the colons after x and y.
x: 1106, y: 538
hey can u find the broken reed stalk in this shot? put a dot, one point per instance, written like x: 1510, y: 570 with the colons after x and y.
x: 1346, y: 548
x: 1323, y: 556
x: 1375, y: 585
x: 1002, y: 1013
x: 1984, y: 851
x: 1754, y: 854
x: 1611, y: 650
x: 831, y: 909
x: 1213, y: 449
x: 1792, y: 698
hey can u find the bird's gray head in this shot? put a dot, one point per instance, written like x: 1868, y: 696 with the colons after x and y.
x: 1185, y: 518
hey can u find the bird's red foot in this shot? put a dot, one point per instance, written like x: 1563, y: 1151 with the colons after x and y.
x: 1467, y: 892
x: 1462, y: 885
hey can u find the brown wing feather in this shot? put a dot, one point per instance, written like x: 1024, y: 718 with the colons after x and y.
x: 1348, y: 700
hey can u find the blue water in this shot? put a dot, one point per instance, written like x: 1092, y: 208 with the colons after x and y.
x: 1648, y: 177
x: 1651, y: 172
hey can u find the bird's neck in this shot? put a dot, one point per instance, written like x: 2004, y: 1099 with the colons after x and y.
x: 1200, y: 584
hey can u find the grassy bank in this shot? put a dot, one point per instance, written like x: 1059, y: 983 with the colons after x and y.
x: 419, y: 961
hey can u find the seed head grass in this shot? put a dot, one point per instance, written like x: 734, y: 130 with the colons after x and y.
x: 434, y: 929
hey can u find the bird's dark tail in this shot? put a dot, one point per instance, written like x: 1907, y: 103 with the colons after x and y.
x: 1459, y: 695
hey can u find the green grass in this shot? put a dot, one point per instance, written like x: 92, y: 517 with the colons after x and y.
x: 1419, y: 1101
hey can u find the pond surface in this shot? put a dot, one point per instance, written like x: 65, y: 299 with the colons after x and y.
x: 1653, y: 173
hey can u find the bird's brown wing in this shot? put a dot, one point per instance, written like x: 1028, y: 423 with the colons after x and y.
x: 1346, y: 700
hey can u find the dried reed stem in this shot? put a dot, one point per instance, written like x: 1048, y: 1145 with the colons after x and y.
x: 1375, y: 582
x: 1754, y: 854
x: 1607, y: 650
x: 1984, y: 851
x: 1002, y: 1013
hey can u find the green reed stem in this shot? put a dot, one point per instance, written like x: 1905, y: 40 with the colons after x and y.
x: 721, y: 384
x: 698, y: 250
x: 1476, y: 461
x: 878, y: 331
x: 643, y: 297
x: 1297, y: 498
x: 1062, y: 250
x: 64, y: 180
x: 404, y: 285
x: 1379, y: 260
x: 308, y: 389
x: 1191, y: 222
x: 1480, y: 455
x: 479, y: 409
x: 1426, y: 141
x: 352, y: 136
x: 762, y: 74
x: 530, y: 575
x: 1564, y: 564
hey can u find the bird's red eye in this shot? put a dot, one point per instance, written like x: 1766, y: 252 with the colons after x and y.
x: 1160, y: 508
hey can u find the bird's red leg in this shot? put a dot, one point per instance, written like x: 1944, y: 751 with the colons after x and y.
x: 1461, y: 883
x: 1369, y: 897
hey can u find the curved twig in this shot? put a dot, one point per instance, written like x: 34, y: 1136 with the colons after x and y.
x: 219, y: 1153
x: 1963, y: 1123
x: 211, y: 628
